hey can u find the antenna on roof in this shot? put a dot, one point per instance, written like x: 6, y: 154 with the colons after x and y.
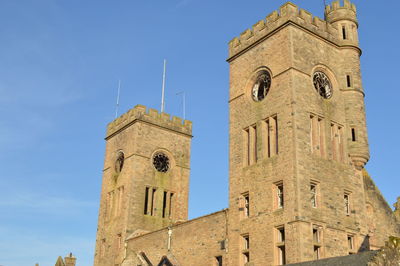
x: 116, y: 108
x: 183, y: 103
x: 163, y: 87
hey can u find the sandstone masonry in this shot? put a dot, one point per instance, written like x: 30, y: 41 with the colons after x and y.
x: 298, y: 147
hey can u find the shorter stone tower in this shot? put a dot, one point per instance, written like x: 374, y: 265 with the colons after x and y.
x: 145, y: 179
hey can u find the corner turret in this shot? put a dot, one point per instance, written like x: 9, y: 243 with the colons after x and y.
x: 344, y: 18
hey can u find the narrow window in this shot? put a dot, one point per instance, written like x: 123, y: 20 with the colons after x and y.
x: 344, y: 32
x: 245, y: 248
x: 246, y: 257
x: 222, y: 244
x: 317, y: 252
x: 246, y: 138
x: 314, y: 194
x: 171, y: 195
x: 245, y: 202
x: 246, y: 242
x: 164, y: 207
x: 353, y: 134
x: 146, y: 201
x: 346, y: 199
x: 254, y: 133
x: 317, y: 136
x: 350, y: 244
x: 348, y: 79
x: 276, y: 134
x: 337, y: 142
x: 317, y: 241
x: 119, y: 241
x: 271, y: 136
x: 280, y: 245
x: 279, y: 195
x: 152, y: 201
x: 340, y: 144
x: 218, y: 260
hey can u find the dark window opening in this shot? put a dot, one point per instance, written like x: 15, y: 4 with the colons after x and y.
x: 170, y: 205
x: 146, y: 200
x: 143, y: 255
x: 348, y: 79
x: 246, y: 257
x: 317, y: 252
x: 219, y: 260
x: 344, y: 33
x: 152, y: 201
x: 353, y: 134
x: 282, y: 255
x: 222, y: 244
x: 164, y: 204
x: 246, y: 244
x: 281, y: 234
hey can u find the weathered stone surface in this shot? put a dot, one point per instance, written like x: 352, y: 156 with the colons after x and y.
x: 282, y: 148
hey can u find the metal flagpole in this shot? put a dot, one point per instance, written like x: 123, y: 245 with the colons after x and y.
x: 163, y: 87
x: 119, y: 88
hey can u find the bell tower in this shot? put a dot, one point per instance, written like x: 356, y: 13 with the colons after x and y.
x: 145, y: 179
x: 298, y: 138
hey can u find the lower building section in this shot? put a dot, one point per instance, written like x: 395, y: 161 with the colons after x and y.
x: 200, y: 241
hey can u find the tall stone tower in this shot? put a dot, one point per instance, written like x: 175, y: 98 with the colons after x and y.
x: 298, y: 139
x: 145, y: 179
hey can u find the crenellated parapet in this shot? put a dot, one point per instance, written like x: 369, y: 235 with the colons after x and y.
x: 337, y: 12
x: 290, y: 13
x: 150, y: 116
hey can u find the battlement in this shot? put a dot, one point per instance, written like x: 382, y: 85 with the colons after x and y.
x: 337, y: 12
x: 337, y: 5
x: 151, y: 116
x: 289, y: 12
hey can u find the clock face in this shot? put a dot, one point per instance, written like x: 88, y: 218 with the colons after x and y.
x: 322, y: 84
x: 261, y: 87
x: 161, y: 162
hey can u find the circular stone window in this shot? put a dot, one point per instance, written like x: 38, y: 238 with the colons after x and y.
x: 261, y: 87
x: 322, y: 84
x: 119, y: 162
x: 161, y: 162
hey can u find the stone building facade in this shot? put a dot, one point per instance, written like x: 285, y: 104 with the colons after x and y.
x: 298, y: 147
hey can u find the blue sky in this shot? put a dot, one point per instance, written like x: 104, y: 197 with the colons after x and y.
x: 59, y: 70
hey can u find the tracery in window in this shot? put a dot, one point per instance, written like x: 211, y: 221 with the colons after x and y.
x: 262, y: 86
x: 322, y: 84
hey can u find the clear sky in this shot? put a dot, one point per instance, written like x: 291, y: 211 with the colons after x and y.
x: 60, y: 62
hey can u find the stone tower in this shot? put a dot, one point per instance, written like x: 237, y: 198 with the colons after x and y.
x: 145, y: 179
x: 298, y: 139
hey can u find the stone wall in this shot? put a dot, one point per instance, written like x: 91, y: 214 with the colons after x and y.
x: 195, y: 242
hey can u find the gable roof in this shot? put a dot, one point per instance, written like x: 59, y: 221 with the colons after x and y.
x: 59, y: 262
x: 359, y: 259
